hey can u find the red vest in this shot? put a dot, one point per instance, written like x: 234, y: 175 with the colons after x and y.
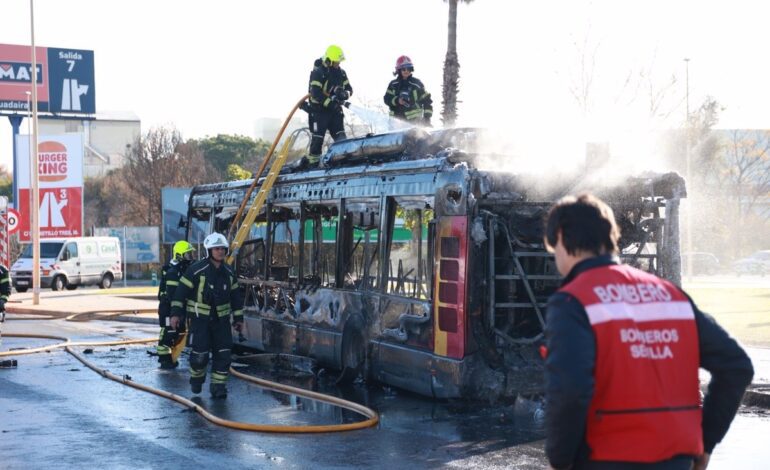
x: 646, y: 405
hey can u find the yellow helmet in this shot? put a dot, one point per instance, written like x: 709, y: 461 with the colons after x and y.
x: 181, y: 248
x: 334, y: 54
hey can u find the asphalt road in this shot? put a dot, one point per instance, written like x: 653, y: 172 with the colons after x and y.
x: 56, y: 413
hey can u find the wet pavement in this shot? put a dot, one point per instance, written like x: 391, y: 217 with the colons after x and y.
x: 57, y: 413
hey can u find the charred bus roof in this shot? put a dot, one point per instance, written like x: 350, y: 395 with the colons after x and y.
x: 415, y: 150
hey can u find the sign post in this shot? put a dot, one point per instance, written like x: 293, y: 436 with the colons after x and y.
x: 5, y: 252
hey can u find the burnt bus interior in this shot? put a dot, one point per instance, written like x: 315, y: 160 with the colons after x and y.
x: 520, y: 274
x: 306, y: 242
x: 308, y: 258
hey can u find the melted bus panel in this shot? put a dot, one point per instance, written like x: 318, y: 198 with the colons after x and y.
x: 403, y: 263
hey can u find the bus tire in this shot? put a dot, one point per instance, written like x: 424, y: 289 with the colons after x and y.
x: 353, y: 351
x: 22, y: 289
x: 72, y: 286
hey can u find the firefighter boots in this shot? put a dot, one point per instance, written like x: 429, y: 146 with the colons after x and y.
x: 166, y: 362
x: 218, y: 391
x: 196, y: 386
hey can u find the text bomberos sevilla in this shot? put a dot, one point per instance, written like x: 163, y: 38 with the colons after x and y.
x: 644, y: 343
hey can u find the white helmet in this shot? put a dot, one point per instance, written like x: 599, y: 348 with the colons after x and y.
x: 215, y: 240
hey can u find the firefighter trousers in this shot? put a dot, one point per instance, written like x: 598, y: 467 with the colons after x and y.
x: 166, y: 338
x: 321, y: 121
x: 210, y: 337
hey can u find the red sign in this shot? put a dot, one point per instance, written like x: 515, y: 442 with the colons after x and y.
x: 61, y: 213
x: 13, y: 220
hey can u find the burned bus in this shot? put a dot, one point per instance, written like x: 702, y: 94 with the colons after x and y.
x: 454, y: 308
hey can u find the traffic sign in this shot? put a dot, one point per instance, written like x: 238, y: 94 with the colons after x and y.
x: 13, y: 220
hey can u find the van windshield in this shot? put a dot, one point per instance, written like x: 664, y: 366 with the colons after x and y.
x: 47, y: 250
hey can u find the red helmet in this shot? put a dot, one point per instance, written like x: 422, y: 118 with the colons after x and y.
x: 404, y: 62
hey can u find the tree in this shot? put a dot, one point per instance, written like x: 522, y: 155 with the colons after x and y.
x: 159, y: 158
x: 6, y: 183
x: 583, y: 77
x: 451, y: 86
x: 237, y: 172
x: 225, y: 149
x: 748, y: 170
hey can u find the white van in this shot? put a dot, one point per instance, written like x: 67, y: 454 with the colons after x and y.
x: 70, y: 262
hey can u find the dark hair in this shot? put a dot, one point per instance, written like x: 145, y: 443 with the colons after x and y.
x: 586, y: 224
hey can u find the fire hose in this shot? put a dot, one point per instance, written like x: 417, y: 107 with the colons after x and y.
x: 372, y: 418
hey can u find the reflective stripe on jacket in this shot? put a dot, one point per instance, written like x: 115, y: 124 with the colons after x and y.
x: 204, y: 288
x: 421, y: 101
x: 646, y: 372
x: 323, y: 81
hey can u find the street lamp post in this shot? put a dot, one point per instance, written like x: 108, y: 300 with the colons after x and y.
x: 29, y: 141
x: 34, y: 221
x: 688, y: 173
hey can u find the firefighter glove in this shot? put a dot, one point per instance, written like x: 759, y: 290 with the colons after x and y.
x: 335, y: 103
x: 341, y: 94
x: 238, y: 326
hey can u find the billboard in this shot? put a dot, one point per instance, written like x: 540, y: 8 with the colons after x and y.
x: 64, y: 78
x: 60, y: 176
x: 142, y: 243
x: 174, y: 202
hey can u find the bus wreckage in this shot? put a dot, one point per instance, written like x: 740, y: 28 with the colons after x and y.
x: 400, y: 261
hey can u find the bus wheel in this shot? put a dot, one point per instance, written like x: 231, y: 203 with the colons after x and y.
x: 72, y: 286
x: 58, y: 283
x: 353, y: 351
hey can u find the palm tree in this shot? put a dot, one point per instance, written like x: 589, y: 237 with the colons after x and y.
x: 451, y: 85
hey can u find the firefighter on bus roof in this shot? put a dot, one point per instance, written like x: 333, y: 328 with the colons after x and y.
x: 208, y: 294
x: 329, y: 90
x: 407, y: 97
x: 623, y: 352
x: 169, y: 280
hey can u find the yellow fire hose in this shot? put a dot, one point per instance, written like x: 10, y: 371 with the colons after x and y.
x: 371, y: 415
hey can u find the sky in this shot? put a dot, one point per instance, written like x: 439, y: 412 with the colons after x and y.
x: 215, y: 67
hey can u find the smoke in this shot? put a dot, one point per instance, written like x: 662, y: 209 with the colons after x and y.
x: 376, y: 120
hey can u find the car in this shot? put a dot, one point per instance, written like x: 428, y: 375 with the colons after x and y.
x: 702, y: 262
x: 757, y: 263
x: 69, y: 263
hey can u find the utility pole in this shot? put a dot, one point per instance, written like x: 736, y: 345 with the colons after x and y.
x: 688, y: 173
x: 34, y: 219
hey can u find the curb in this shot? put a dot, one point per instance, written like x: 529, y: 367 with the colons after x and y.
x: 132, y: 319
x: 758, y: 396
x: 36, y: 311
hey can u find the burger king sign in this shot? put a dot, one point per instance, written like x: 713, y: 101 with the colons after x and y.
x: 60, y: 177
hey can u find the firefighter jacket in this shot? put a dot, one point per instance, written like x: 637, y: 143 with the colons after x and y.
x: 624, y: 348
x: 169, y: 281
x: 324, y: 82
x: 420, y: 104
x: 5, y: 286
x: 205, y: 290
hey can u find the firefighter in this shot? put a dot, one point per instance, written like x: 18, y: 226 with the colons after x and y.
x: 169, y: 280
x: 329, y: 90
x: 623, y: 349
x: 407, y: 97
x: 208, y: 294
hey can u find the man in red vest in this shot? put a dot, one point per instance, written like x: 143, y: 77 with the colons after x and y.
x: 623, y: 352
